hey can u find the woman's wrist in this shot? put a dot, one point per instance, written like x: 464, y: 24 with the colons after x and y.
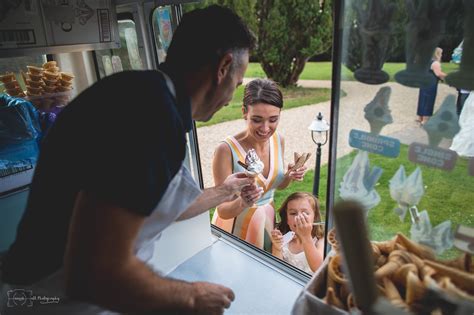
x: 307, y: 239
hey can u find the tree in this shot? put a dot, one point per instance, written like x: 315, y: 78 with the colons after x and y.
x: 289, y: 33
x: 244, y: 8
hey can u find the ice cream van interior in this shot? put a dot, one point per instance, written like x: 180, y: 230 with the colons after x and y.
x: 137, y: 38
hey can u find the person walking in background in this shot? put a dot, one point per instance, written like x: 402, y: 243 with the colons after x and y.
x: 427, y: 96
x: 462, y: 96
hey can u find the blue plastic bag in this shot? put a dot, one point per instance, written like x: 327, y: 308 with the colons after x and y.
x: 19, y: 132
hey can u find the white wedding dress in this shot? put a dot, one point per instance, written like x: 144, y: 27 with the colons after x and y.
x: 463, y: 142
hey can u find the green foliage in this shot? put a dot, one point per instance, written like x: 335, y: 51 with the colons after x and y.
x: 289, y: 33
x: 293, y: 97
x: 352, y: 49
x: 244, y: 8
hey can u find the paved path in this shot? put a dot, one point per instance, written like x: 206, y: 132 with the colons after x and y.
x: 294, y: 122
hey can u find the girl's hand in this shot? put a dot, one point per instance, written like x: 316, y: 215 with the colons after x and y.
x: 297, y: 175
x: 249, y: 195
x: 277, y: 240
x: 303, y: 227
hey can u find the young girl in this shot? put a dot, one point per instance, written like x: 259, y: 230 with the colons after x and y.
x: 305, y: 249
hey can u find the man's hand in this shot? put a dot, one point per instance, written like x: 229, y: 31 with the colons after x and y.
x: 249, y: 195
x: 211, y: 298
x: 234, y: 184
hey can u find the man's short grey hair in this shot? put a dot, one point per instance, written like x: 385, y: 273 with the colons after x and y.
x: 237, y: 60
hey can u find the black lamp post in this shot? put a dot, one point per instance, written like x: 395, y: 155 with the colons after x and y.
x: 319, y: 132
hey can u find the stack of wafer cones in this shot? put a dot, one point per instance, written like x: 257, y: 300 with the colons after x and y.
x: 45, y: 86
x: 405, y: 271
x: 12, y: 87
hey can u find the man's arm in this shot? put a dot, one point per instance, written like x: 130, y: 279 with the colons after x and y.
x: 101, y: 267
x: 227, y: 191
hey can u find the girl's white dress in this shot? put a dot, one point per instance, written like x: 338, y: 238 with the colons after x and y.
x: 298, y: 260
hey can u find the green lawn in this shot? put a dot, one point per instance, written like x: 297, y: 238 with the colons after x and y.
x: 293, y: 97
x: 447, y: 196
x: 322, y: 70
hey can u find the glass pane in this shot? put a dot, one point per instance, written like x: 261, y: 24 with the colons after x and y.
x: 127, y: 57
x: 403, y: 151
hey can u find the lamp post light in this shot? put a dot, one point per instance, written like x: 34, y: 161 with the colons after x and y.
x: 319, y: 132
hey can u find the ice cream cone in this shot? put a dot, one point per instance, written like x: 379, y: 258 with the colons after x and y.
x: 49, y: 64
x: 382, y: 260
x: 35, y: 70
x: 7, y: 77
x: 415, y: 248
x: 396, y: 259
x: 415, y: 289
x: 385, y: 247
x: 400, y: 276
x: 334, y: 270
x: 376, y: 252
x: 462, y: 279
x: 344, y: 291
x: 332, y: 239
x: 426, y: 271
x: 332, y: 299
x: 463, y: 262
x: 392, y: 294
x: 452, y: 289
x: 351, y: 304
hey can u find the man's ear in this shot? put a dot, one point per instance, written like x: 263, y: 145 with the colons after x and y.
x: 224, y: 67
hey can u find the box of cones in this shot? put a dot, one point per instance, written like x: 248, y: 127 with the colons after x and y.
x: 46, y: 87
x: 407, y: 274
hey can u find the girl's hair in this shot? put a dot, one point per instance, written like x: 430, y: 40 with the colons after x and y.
x: 437, y: 54
x: 318, y: 230
x: 262, y: 91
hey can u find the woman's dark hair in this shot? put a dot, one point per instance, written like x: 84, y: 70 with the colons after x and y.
x: 204, y: 35
x: 318, y: 230
x: 262, y: 91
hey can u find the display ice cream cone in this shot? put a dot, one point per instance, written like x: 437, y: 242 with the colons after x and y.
x: 377, y: 111
x: 400, y: 276
x: 415, y: 248
x: 415, y: 289
x: 462, y: 279
x: 392, y: 294
x: 332, y: 299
